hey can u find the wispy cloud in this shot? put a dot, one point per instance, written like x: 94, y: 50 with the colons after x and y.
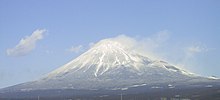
x: 76, y: 49
x: 27, y: 44
x: 195, y: 49
x: 188, y: 55
x: 80, y: 48
x: 153, y: 44
x: 147, y: 46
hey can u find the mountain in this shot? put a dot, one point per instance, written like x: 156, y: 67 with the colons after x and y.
x: 110, y: 65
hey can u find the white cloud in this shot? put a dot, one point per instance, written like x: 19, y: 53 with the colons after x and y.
x: 187, y: 56
x: 195, y: 49
x: 27, y: 44
x: 153, y: 44
x: 192, y: 50
x: 76, y: 49
x: 80, y: 48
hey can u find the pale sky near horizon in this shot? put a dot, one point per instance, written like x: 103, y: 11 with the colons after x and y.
x: 38, y: 36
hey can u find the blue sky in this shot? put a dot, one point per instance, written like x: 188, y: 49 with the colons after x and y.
x: 64, y: 29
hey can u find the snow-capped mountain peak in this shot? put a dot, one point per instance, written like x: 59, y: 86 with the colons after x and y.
x: 105, y: 55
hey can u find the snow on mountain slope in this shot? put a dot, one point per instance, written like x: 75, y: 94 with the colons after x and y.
x: 109, y: 54
x: 110, y: 64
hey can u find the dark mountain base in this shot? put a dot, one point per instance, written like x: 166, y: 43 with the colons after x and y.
x: 139, y: 93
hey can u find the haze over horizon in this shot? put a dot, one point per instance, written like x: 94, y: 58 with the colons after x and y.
x: 40, y: 36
